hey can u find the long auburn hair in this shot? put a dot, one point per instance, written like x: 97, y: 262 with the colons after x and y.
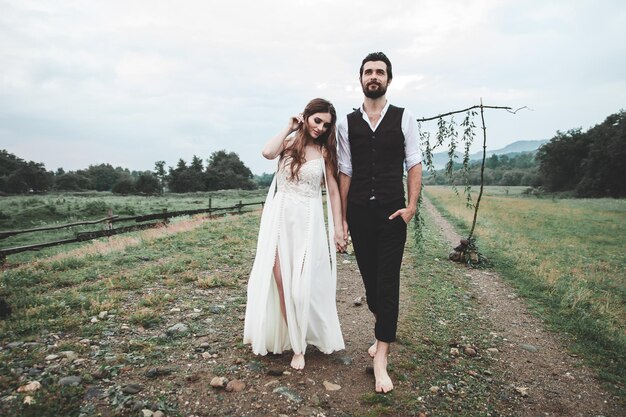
x: 327, y: 141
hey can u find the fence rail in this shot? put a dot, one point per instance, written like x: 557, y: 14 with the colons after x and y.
x: 109, y: 230
x: 9, y: 233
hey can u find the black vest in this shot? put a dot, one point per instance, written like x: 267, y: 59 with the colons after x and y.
x: 377, y: 158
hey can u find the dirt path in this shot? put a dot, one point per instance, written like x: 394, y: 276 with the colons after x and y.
x: 533, y: 359
x: 179, y: 368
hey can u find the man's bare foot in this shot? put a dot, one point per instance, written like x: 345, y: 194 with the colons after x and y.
x: 297, y: 362
x: 383, y: 381
x: 372, y: 349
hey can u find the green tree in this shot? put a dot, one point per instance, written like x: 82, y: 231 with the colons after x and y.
x: 523, y: 160
x: 184, y: 179
x: 103, y: 176
x: 590, y: 163
x: 263, y: 180
x: 173, y: 178
x: 512, y: 177
x: 19, y: 177
x: 226, y: 171
x: 196, y: 164
x: 30, y: 177
x: 560, y: 160
x: 124, y: 185
x: 9, y: 163
x: 492, y: 162
x: 148, y: 184
x: 15, y: 184
x: 160, y: 173
x: 72, y: 182
x: 531, y: 178
x: 604, y: 169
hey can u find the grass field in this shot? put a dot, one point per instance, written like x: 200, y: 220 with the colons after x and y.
x: 566, y: 256
x: 25, y: 212
x: 110, y: 301
x: 132, y: 280
x: 440, y: 311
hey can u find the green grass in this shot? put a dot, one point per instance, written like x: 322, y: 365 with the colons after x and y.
x: 566, y: 257
x: 88, y: 283
x: 25, y: 212
x: 437, y: 314
x: 139, y: 284
x: 136, y: 280
x: 140, y: 277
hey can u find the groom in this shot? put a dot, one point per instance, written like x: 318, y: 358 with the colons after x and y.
x: 376, y: 142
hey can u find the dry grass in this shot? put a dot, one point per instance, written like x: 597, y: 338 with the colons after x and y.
x: 119, y: 243
x: 567, y: 253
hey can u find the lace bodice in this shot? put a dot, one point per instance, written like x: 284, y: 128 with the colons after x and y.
x: 311, y: 177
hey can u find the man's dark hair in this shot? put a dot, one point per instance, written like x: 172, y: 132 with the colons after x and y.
x: 377, y: 56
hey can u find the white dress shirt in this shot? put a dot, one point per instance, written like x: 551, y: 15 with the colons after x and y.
x: 412, y: 151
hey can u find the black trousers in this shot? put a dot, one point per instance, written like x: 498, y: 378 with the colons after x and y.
x: 378, y: 246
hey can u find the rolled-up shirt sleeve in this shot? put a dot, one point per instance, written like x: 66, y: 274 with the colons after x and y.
x: 344, y: 156
x: 412, y: 151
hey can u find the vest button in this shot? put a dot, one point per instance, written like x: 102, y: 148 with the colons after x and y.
x: 373, y: 136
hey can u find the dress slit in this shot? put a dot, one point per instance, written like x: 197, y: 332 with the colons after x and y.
x: 293, y: 237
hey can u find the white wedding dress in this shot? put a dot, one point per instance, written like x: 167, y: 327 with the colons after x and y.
x: 292, y: 224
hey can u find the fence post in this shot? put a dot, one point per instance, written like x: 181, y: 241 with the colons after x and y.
x: 109, y: 223
x: 165, y: 219
x: 240, y: 206
x: 210, y: 206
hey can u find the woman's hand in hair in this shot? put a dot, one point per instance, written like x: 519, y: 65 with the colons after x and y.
x: 295, y: 122
x: 276, y: 145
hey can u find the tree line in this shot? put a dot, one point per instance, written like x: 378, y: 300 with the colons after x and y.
x: 582, y: 163
x: 223, y: 171
x: 579, y: 163
x: 506, y: 170
x: 587, y: 164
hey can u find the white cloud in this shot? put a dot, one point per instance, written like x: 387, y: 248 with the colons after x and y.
x: 168, y: 80
x: 403, y: 82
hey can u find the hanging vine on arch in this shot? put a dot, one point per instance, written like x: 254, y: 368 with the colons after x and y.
x: 448, y: 131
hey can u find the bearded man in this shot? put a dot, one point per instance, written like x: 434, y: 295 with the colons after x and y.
x: 376, y: 142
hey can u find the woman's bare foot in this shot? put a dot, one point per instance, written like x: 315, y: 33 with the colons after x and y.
x: 297, y: 362
x: 383, y: 381
x: 372, y: 349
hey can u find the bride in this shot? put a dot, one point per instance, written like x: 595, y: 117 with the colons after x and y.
x: 291, y: 289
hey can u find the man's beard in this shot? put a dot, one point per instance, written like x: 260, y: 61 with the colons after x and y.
x: 374, y: 94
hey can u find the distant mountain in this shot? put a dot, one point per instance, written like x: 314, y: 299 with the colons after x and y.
x: 519, y: 146
x: 441, y: 158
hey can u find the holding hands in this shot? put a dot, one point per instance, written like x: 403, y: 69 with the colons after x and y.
x: 340, y: 242
x: 341, y: 238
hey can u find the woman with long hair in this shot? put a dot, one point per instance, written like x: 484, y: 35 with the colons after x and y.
x: 291, y: 290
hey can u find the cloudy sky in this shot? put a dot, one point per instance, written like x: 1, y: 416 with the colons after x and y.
x: 133, y: 82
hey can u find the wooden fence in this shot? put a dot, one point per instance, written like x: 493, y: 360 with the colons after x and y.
x: 109, y: 230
